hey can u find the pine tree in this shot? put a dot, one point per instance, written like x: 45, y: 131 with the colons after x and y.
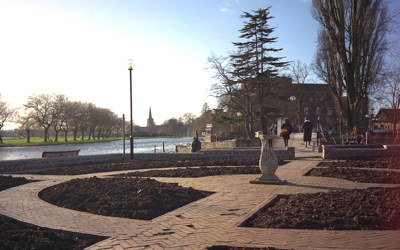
x: 254, y: 66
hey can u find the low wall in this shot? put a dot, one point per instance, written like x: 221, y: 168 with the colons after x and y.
x: 358, y: 151
x: 23, y: 166
x: 228, y: 144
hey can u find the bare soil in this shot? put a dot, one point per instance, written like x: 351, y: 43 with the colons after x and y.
x: 357, y: 175
x: 144, y: 164
x: 389, y: 163
x: 135, y: 198
x: 195, y: 172
x: 140, y: 198
x: 15, y: 234
x: 377, y: 170
x: 366, y: 209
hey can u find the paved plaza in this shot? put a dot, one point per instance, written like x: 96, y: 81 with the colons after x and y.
x: 213, y: 220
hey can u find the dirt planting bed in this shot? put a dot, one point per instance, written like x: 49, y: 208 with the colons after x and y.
x: 380, y: 170
x: 357, y: 175
x: 9, y: 181
x: 388, y: 162
x: 135, y: 198
x: 143, y: 198
x: 366, y: 209
x: 19, y: 235
x: 194, y: 172
x: 145, y: 164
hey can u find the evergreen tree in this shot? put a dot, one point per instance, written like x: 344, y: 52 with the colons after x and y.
x: 254, y: 66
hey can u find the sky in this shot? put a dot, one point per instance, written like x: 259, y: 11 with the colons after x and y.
x: 80, y: 48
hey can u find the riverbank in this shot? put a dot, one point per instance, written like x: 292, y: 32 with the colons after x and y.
x: 37, y: 141
x: 97, y: 147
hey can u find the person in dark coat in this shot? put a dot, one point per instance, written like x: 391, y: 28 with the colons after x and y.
x: 307, y: 130
x: 286, y: 130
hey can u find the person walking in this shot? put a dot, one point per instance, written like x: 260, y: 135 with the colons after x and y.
x: 286, y: 130
x: 307, y: 130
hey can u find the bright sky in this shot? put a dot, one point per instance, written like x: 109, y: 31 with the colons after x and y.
x: 81, y: 48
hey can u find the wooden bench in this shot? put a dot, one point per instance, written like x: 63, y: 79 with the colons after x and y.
x: 60, y: 153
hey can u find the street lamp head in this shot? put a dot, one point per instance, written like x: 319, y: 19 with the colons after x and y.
x: 130, y: 61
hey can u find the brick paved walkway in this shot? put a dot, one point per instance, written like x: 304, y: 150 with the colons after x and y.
x: 210, y: 221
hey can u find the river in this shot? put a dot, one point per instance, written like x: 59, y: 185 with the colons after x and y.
x: 140, y: 146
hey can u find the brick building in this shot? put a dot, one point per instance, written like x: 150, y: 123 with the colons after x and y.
x: 310, y: 100
x: 387, y: 119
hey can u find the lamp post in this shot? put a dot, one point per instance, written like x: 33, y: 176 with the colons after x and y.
x: 293, y: 99
x: 130, y: 61
x: 372, y: 118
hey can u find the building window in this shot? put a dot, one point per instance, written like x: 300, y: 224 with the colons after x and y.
x: 318, y: 111
x: 306, y: 111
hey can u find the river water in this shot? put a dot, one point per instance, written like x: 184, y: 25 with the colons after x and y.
x: 139, y: 146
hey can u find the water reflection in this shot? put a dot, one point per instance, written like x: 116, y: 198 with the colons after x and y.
x: 140, y: 146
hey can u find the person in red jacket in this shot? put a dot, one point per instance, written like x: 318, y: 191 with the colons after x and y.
x: 286, y: 130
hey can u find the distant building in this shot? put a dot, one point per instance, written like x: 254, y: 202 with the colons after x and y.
x: 311, y: 100
x: 150, y: 121
x: 386, y: 119
x: 151, y: 128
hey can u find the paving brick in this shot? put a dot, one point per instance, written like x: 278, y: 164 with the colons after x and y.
x: 212, y: 220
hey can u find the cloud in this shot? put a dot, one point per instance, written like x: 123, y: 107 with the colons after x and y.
x: 228, y: 5
x: 224, y: 9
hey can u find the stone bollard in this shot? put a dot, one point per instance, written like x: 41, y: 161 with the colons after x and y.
x: 313, y: 146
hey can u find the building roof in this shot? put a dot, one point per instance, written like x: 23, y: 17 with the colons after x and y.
x: 387, y: 115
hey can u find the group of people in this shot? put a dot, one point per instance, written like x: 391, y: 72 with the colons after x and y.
x: 287, y: 130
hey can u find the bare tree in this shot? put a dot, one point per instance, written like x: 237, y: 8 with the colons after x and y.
x: 233, y: 92
x: 59, y: 106
x: 300, y: 73
x: 94, y: 119
x: 84, y: 115
x: 351, y: 49
x: 171, y: 127
x: 388, y: 93
x: 39, y: 107
x: 27, y: 122
x: 69, y: 117
x: 106, y: 120
x: 74, y: 111
x: 187, y: 118
x: 6, y: 114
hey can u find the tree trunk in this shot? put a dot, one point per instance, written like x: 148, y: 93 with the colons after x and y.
x: 264, y: 125
x: 75, y: 133
x: 248, y: 127
x: 98, y: 134
x: 28, y: 136
x: 1, y: 139
x: 56, y: 136
x: 83, y: 134
x: 46, y: 134
x: 352, y: 118
x: 66, y: 135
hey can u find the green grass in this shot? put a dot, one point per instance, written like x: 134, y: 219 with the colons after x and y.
x: 39, y: 141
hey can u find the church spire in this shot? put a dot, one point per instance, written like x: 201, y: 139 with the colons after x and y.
x: 150, y: 117
x: 150, y: 121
